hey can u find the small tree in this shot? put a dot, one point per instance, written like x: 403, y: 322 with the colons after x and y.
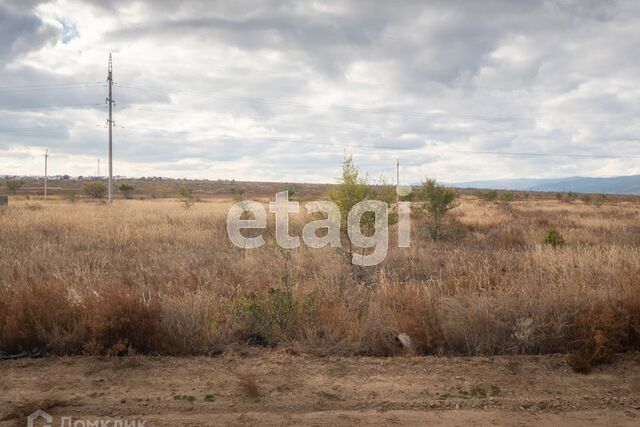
x: 126, y: 190
x: 97, y: 190
x: 352, y: 189
x: 186, y: 196
x: 436, y: 200
x: 14, y: 185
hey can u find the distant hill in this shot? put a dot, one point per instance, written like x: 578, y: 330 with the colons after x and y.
x: 577, y: 184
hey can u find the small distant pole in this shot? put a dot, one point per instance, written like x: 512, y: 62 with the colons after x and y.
x: 46, y: 161
x: 397, y: 179
x: 110, y: 121
x: 98, y: 168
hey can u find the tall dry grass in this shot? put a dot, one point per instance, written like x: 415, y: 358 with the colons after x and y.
x: 151, y: 276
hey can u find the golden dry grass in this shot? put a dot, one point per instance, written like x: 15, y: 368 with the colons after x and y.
x: 151, y: 276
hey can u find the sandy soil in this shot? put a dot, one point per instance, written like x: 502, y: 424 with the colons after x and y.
x: 298, y: 389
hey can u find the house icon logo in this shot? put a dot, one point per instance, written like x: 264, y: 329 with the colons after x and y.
x: 31, y: 419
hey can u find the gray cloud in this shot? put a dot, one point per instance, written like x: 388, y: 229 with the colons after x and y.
x: 21, y: 33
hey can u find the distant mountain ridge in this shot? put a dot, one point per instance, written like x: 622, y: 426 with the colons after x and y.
x: 577, y: 184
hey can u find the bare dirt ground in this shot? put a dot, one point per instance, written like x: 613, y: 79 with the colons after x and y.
x: 278, y: 388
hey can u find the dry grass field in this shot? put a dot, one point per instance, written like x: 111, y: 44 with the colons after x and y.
x: 293, y: 332
x: 153, y: 277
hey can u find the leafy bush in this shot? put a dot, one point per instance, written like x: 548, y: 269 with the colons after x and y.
x: 266, y: 318
x: 239, y: 194
x: 126, y: 190
x: 554, y: 238
x: 14, y: 185
x: 506, y: 197
x: 71, y: 196
x: 97, y: 190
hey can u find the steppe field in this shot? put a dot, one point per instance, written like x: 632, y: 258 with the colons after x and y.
x: 146, y: 310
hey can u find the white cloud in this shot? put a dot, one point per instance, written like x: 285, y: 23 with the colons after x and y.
x: 279, y: 90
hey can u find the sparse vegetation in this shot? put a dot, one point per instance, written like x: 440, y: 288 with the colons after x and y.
x: 436, y: 200
x: 126, y: 190
x: 186, y: 196
x: 570, y: 197
x: 554, y: 238
x: 352, y: 189
x: 239, y: 194
x: 14, y: 185
x: 176, y: 285
x: 489, y: 196
x: 97, y: 190
x: 71, y: 196
x: 248, y: 385
x: 291, y: 190
x: 506, y: 197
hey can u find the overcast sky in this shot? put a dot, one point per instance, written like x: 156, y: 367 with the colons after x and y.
x: 282, y: 90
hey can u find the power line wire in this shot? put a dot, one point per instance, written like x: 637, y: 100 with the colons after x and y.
x: 48, y: 85
x: 429, y: 115
x: 46, y: 107
x: 396, y: 148
x: 43, y: 89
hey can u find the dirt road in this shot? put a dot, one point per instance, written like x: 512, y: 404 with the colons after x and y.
x: 277, y: 388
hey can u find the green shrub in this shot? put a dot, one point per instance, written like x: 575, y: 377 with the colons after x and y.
x: 239, y: 194
x: 554, y: 238
x: 437, y: 201
x: 71, y: 196
x: 570, y: 197
x: 598, y: 199
x: 489, y: 196
x: 186, y: 196
x: 97, y: 190
x: 506, y: 197
x: 126, y: 190
x: 266, y: 317
x: 14, y: 185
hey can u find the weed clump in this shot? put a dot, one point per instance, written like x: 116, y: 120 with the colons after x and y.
x: 120, y: 319
x: 248, y: 385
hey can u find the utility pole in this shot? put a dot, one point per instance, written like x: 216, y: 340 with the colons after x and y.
x: 110, y: 121
x: 397, y: 180
x: 46, y: 160
x: 98, y: 168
